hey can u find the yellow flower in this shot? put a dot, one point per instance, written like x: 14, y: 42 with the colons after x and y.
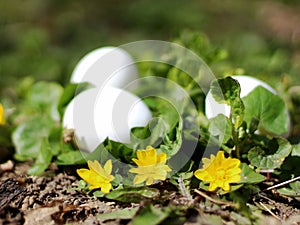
x: 97, y: 176
x: 219, y: 171
x: 151, y: 166
x: 2, y: 116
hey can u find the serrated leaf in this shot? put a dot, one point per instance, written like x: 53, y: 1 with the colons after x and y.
x: 250, y: 176
x: 123, y: 214
x: 270, y: 158
x: 133, y: 194
x: 227, y: 91
x: 268, y: 109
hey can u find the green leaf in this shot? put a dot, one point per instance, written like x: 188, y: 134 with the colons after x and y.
x: 296, y: 187
x: 55, y: 140
x: 268, y: 109
x: 133, y: 194
x: 249, y: 176
x: 273, y: 156
x: 293, y: 191
x: 152, y: 134
x: 43, y: 160
x: 220, y: 127
x: 288, y: 192
x: 123, y: 214
x: 71, y: 158
x: 118, y: 150
x: 28, y: 136
x: 150, y: 216
x: 45, y: 97
x: 296, y: 150
x: 172, y: 146
x: 227, y: 91
x: 98, y: 194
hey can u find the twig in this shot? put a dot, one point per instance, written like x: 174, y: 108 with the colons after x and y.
x: 219, y: 202
x: 269, y: 211
x: 282, y: 184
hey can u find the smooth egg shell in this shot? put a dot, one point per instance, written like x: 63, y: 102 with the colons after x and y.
x: 96, y: 114
x: 106, y: 66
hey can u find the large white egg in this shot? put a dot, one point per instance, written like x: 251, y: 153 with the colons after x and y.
x: 106, y: 66
x: 110, y: 112
x: 247, y: 84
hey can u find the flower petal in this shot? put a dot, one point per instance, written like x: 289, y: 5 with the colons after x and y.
x: 139, y: 179
x: 85, y: 174
x: 149, y: 181
x: 92, y: 187
x: 161, y: 158
x: 108, y: 167
x: 95, y: 166
x: 106, y: 187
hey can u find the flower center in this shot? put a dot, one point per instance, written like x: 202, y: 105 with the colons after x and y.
x: 221, y: 174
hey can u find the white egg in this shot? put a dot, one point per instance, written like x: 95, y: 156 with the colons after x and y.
x: 110, y: 112
x: 247, y: 84
x: 106, y: 66
x: 213, y: 108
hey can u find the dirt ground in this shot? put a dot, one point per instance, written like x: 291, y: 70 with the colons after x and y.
x: 54, y: 199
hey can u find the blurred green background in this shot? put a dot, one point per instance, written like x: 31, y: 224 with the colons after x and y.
x: 45, y: 39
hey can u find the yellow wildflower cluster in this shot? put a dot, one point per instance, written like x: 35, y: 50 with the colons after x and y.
x: 219, y: 171
x: 151, y: 167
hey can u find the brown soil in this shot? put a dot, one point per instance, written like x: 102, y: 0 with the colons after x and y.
x: 54, y: 199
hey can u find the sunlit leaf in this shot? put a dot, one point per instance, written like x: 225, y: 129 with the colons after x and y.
x: 45, y: 96
x: 250, y: 176
x: 268, y: 109
x: 220, y: 127
x: 71, y: 158
x: 293, y: 191
x: 28, y: 136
